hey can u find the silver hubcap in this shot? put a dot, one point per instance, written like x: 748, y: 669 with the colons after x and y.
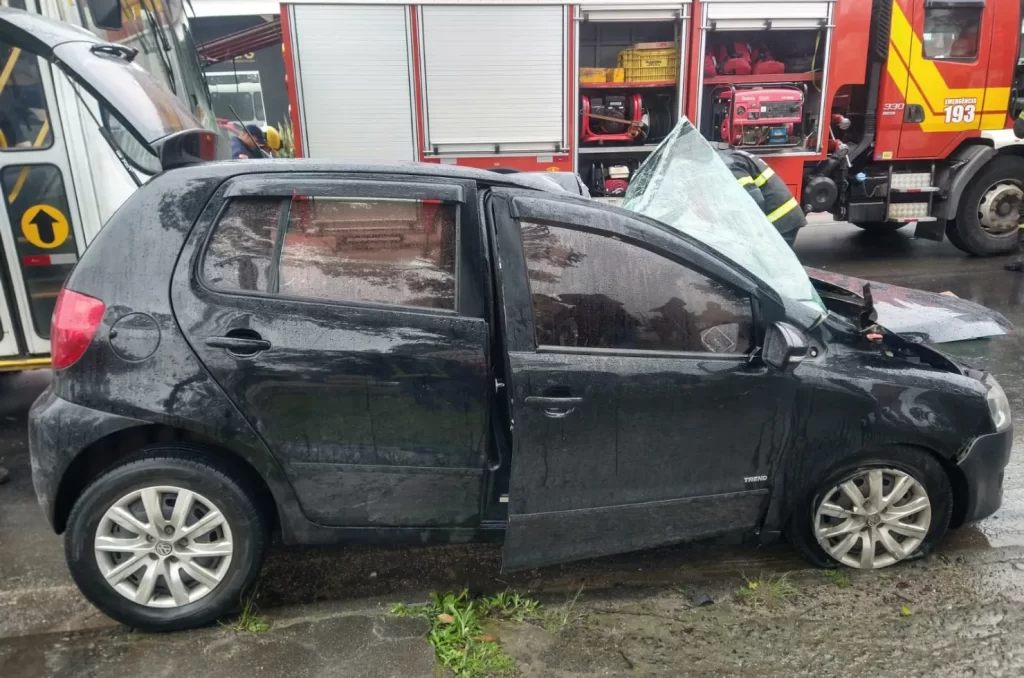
x: 875, y: 518
x: 163, y: 546
x: 999, y: 211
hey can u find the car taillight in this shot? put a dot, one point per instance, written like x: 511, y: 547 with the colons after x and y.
x: 75, y: 319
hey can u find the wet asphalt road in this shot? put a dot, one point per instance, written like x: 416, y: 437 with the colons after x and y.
x: 37, y: 596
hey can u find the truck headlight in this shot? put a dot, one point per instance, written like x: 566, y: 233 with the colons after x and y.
x: 998, y: 405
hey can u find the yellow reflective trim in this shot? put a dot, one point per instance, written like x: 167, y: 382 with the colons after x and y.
x: 765, y: 176
x: 5, y: 75
x: 20, y: 183
x: 26, y: 364
x: 783, y: 210
x: 745, y: 181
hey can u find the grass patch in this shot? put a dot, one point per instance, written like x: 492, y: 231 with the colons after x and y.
x: 250, y: 619
x: 456, y: 630
x: 766, y: 590
x: 558, y: 619
x: 837, y: 577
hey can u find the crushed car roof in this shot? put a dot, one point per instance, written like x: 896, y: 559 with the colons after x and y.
x: 537, y: 181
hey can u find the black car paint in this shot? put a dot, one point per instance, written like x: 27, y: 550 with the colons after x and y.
x: 849, y: 395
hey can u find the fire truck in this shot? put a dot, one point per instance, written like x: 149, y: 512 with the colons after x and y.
x: 60, y: 176
x: 884, y: 113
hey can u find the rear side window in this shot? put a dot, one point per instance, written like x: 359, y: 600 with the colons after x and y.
x: 380, y: 251
x: 591, y: 291
x: 241, y: 250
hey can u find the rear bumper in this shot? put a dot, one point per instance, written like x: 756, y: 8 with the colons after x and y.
x: 982, y: 467
x: 58, y: 431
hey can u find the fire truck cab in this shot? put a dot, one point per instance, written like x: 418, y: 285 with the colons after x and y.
x: 883, y: 113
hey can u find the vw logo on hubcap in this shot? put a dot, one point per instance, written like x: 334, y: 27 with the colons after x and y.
x: 164, y: 549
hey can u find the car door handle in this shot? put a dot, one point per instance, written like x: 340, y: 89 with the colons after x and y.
x: 555, y: 407
x: 240, y: 342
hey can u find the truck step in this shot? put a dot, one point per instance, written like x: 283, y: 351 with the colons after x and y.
x: 909, y: 211
x: 926, y: 189
x: 908, y: 180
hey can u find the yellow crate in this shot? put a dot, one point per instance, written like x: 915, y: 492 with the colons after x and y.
x: 617, y: 75
x: 650, y: 65
x: 594, y: 74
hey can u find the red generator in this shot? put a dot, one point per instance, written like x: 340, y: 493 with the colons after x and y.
x: 611, y: 118
x: 764, y: 117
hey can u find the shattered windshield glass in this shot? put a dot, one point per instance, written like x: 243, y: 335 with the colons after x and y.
x: 685, y: 185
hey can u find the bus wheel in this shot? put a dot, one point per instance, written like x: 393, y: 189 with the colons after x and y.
x: 989, y: 212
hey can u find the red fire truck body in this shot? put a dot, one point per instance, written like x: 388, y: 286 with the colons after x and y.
x: 883, y: 113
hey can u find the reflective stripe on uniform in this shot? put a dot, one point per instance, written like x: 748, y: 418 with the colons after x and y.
x: 745, y: 181
x: 1021, y: 226
x: 783, y: 210
x: 764, y: 177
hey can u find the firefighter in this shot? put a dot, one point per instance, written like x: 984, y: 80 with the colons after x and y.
x: 248, y: 143
x: 769, y: 192
x: 1018, y: 262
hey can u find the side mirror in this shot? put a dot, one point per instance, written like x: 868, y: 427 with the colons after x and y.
x: 190, y: 147
x: 784, y: 347
x: 106, y: 14
x: 1018, y: 128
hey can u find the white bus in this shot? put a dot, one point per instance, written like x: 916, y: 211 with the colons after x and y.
x: 60, y: 178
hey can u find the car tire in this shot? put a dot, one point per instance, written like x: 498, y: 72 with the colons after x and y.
x: 163, y: 474
x: 972, y: 237
x: 880, y: 227
x: 919, y: 465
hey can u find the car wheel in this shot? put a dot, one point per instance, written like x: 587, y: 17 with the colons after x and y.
x: 881, y: 226
x: 989, y: 213
x: 165, y: 540
x: 875, y: 511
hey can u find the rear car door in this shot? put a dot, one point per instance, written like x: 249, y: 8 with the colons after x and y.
x: 639, y: 417
x: 344, y: 317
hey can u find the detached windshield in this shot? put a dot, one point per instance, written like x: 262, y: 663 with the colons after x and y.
x: 685, y: 185
x: 149, y: 109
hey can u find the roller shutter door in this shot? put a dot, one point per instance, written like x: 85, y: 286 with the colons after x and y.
x: 354, y: 86
x: 495, y: 78
x: 756, y: 15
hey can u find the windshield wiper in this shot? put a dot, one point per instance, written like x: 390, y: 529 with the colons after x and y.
x: 165, y: 44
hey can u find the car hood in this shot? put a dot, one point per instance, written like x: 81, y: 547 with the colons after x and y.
x: 914, y: 314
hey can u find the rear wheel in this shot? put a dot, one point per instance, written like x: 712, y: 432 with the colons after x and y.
x: 875, y: 511
x: 989, y: 212
x: 165, y: 540
x: 881, y: 226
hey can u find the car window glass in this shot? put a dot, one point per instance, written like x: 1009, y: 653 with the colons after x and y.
x: 591, y: 291
x: 379, y: 251
x: 951, y: 33
x: 241, y: 248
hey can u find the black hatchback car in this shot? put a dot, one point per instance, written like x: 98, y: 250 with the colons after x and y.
x: 429, y: 354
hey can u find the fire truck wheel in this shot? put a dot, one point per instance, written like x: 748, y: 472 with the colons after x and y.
x: 881, y: 226
x: 989, y: 212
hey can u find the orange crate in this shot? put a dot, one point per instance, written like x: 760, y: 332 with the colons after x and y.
x: 647, y: 65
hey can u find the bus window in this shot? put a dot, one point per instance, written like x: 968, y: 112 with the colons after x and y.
x: 44, y: 238
x: 24, y: 118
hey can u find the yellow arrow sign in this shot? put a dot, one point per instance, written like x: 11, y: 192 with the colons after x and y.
x: 44, y: 226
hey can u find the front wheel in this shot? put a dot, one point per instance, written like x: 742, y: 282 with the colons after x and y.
x: 874, y: 512
x: 165, y: 541
x: 990, y: 209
